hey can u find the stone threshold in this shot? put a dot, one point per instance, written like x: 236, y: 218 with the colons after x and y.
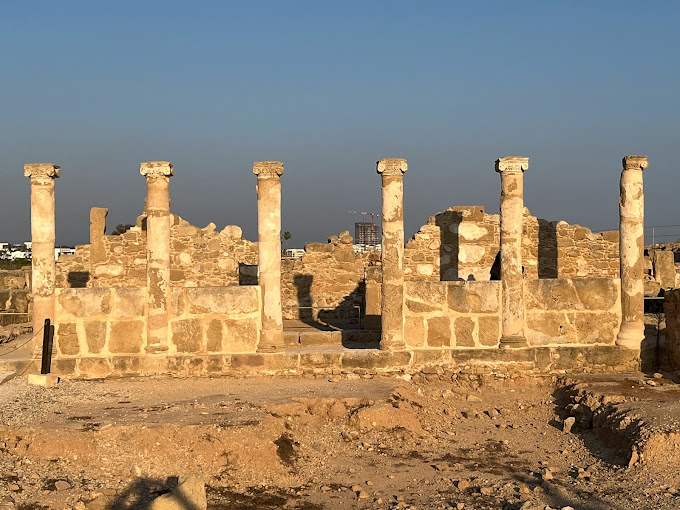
x: 330, y: 359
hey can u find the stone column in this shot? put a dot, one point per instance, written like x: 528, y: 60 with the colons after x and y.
x: 42, y: 243
x: 269, y: 252
x: 157, y: 175
x: 98, y: 234
x: 631, y: 252
x: 512, y: 215
x: 392, y: 292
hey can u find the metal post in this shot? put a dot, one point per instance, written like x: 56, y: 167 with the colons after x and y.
x: 48, y: 336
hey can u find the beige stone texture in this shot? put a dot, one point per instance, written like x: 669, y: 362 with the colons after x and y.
x: 42, y: 177
x: 332, y: 281
x: 392, y: 331
x: 465, y: 332
x: 663, y: 265
x: 98, y: 234
x: 631, y: 242
x: 126, y: 337
x: 157, y: 175
x: 415, y: 333
x: 672, y: 311
x: 512, y: 171
x: 439, y: 332
x: 489, y: 330
x: 187, y: 335
x: 269, y: 252
x: 579, y: 311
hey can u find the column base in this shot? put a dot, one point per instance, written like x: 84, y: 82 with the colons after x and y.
x: 392, y: 342
x: 631, y: 335
x: 47, y: 380
x: 156, y: 349
x: 513, y: 342
x: 271, y: 341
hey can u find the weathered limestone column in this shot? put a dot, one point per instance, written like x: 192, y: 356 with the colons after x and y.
x: 42, y: 242
x: 512, y: 214
x: 269, y: 252
x: 157, y: 175
x: 392, y: 292
x: 631, y: 252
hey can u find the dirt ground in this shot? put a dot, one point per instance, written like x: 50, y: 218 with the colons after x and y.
x: 304, y: 443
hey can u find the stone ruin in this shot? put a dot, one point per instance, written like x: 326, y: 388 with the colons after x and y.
x: 468, y: 288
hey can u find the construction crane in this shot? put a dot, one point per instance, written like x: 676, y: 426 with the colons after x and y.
x: 364, y: 214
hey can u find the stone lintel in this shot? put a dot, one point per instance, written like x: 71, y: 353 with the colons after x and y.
x: 392, y: 166
x: 267, y: 169
x: 635, y: 162
x: 512, y: 164
x: 42, y: 170
x: 156, y: 169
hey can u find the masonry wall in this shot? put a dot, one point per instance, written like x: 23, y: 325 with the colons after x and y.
x: 103, y: 322
x: 199, y: 257
x: 468, y: 314
x: 576, y: 311
x: 672, y: 311
x: 452, y: 314
x: 329, y: 275
x: 463, y: 242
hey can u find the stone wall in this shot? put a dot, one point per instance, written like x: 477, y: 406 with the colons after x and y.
x: 577, y: 311
x: 105, y: 322
x: 467, y: 314
x: 671, y: 307
x: 463, y: 242
x: 329, y: 275
x: 15, y: 279
x: 452, y: 314
x: 199, y: 257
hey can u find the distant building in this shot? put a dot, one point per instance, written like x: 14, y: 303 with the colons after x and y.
x: 367, y: 234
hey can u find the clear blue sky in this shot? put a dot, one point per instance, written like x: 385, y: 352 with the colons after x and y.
x: 328, y: 88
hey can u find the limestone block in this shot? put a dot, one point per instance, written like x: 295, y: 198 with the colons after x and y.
x: 414, y: 331
x: 223, y: 300
x: 664, y: 268
x: 129, y: 302
x: 318, y: 247
x: 187, y: 335
x: 432, y: 293
x: 598, y: 293
x: 108, y: 270
x: 126, y: 336
x: 241, y: 336
x: 416, y: 307
x: 550, y: 327
x: 489, y: 330
x: 232, y: 231
x: 95, y: 336
x: 67, y: 339
x: 464, y: 328
x: 439, y: 332
x: 551, y: 294
x: 47, y: 380
x: 82, y: 302
x: 213, y: 335
x: 95, y: 368
x: 597, y: 327
x: 475, y: 297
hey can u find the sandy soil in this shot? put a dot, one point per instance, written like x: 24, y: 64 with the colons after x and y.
x: 303, y: 443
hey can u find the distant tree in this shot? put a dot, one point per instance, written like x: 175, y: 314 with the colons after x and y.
x: 121, y: 229
x: 286, y: 237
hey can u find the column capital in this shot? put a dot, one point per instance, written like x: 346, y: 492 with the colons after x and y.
x: 42, y: 170
x: 512, y: 164
x: 392, y: 166
x: 268, y: 169
x: 635, y: 162
x: 156, y: 169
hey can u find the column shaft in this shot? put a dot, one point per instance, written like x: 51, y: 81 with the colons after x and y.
x: 631, y: 252
x: 392, y: 291
x: 269, y: 253
x: 512, y: 280
x: 42, y: 242
x: 157, y: 175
